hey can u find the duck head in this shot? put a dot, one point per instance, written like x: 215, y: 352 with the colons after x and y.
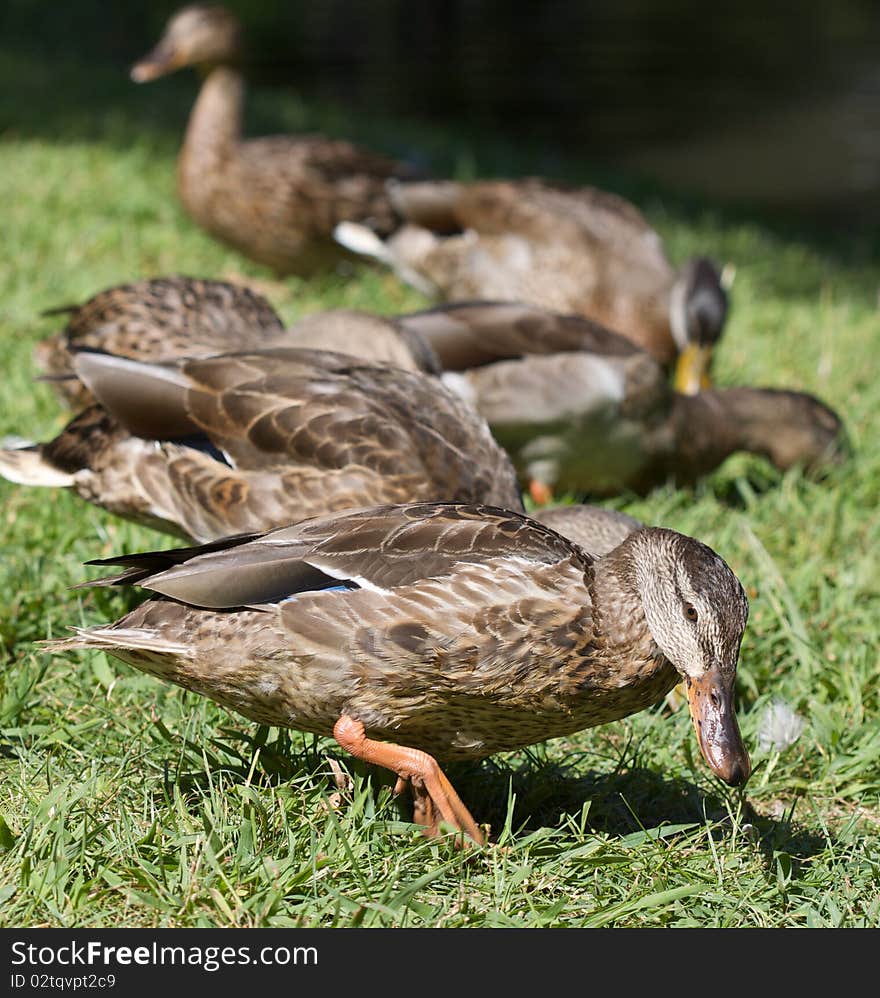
x: 697, y: 313
x: 696, y: 611
x: 805, y: 431
x: 197, y: 35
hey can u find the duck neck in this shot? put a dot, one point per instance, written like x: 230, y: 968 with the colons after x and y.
x: 625, y: 659
x: 215, y: 122
x: 618, y: 610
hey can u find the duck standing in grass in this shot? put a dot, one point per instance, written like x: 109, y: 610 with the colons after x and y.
x: 275, y: 199
x: 574, y: 250
x: 207, y: 447
x: 434, y: 631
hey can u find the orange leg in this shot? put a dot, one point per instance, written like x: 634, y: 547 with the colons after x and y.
x: 540, y: 492
x: 433, y: 794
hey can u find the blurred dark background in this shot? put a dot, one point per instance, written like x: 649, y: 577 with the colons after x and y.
x: 774, y: 106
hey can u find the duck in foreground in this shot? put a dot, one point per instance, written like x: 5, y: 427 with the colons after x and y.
x: 207, y: 447
x: 275, y: 199
x: 433, y: 631
x: 576, y: 250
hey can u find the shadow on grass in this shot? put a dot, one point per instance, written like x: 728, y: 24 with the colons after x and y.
x: 545, y: 792
x: 737, y: 485
x: 742, y: 489
x: 734, y: 491
x: 620, y: 804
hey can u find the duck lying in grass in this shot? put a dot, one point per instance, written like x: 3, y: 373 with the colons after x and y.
x: 203, y: 448
x: 570, y: 249
x: 578, y: 406
x: 580, y: 409
x: 434, y: 631
x: 166, y: 318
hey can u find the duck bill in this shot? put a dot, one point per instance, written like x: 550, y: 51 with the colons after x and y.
x: 162, y: 60
x: 692, y: 370
x: 710, y: 700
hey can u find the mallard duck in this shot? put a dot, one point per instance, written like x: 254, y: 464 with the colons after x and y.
x: 373, y: 338
x: 594, y: 528
x: 208, y: 447
x: 158, y: 319
x: 581, y: 409
x: 573, y: 250
x: 274, y: 199
x: 617, y: 425
x: 434, y: 631
x: 167, y: 318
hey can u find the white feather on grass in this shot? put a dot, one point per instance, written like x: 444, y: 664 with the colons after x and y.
x: 780, y: 727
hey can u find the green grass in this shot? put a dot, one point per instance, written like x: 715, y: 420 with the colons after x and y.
x: 126, y: 802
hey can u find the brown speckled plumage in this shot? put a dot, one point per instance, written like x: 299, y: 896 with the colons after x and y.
x: 158, y: 319
x: 581, y: 409
x: 170, y: 317
x: 274, y: 199
x: 469, y: 630
x: 574, y: 250
x: 208, y: 447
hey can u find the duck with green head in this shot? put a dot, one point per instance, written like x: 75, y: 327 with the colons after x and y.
x: 582, y: 409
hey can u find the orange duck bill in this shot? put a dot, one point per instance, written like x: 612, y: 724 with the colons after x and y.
x: 710, y: 700
x: 163, y: 59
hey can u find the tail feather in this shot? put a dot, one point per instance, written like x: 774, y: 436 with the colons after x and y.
x: 409, y: 243
x: 28, y: 466
x: 54, y: 378
x: 60, y: 310
x: 141, y: 566
x: 363, y: 241
x: 148, y: 399
x: 110, y: 638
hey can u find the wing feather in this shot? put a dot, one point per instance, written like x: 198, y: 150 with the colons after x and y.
x: 379, y: 548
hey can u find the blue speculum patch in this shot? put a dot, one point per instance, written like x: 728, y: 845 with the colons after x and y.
x: 199, y: 442
x: 342, y: 587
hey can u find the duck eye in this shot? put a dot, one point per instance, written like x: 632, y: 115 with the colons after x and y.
x: 690, y: 611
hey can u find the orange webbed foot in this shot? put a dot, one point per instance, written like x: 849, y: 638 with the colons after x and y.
x: 434, y: 798
x: 541, y: 493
